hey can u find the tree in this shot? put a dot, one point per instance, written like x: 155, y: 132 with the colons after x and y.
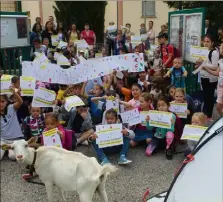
x: 214, y: 9
x: 81, y: 12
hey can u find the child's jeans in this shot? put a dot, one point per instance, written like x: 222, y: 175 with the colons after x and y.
x: 123, y: 149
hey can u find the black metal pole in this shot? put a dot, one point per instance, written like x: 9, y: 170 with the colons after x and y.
x: 180, y: 5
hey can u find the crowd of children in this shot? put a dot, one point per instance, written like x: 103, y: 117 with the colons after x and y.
x: 143, y: 91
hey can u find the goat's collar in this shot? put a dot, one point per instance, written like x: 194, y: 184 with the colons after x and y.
x: 32, y: 169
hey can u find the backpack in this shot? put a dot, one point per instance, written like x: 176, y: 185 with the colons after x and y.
x: 176, y: 54
x: 70, y: 140
x: 211, y: 51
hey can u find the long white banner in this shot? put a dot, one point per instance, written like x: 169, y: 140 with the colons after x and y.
x: 90, y: 69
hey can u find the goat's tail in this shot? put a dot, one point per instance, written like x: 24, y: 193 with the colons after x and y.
x: 107, y: 169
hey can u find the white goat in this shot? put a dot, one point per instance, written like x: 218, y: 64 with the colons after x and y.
x: 68, y: 170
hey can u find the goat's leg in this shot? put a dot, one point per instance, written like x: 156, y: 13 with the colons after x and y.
x: 87, y: 195
x: 102, y: 192
x: 49, y: 191
x: 62, y: 194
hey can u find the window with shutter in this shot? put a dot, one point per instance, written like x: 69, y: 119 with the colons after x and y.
x: 149, y: 8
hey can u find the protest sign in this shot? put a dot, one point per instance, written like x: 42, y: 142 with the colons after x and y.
x: 179, y: 108
x: 160, y: 119
x: 54, y: 40
x: 109, y: 135
x: 143, y: 115
x: 6, y: 84
x: 197, y: 52
x: 27, y: 85
x: 73, y: 101
x: 131, y: 117
x: 52, y: 138
x: 192, y: 132
x: 81, y: 44
x: 112, y: 104
x: 43, y: 98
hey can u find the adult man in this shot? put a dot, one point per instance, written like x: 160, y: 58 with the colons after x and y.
x: 51, y: 19
x: 112, y: 31
x: 167, y: 51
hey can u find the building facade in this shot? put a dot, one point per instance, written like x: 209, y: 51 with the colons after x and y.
x: 120, y: 12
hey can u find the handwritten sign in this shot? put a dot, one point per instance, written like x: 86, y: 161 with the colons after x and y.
x: 197, y: 52
x: 192, y: 132
x: 112, y: 104
x: 43, y: 98
x: 131, y: 117
x: 179, y: 108
x: 52, y: 138
x: 27, y: 85
x: 160, y: 119
x: 6, y: 84
x: 72, y: 101
x: 109, y: 135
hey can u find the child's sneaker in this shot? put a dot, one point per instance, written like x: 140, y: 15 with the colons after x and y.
x: 105, y: 161
x: 169, y: 153
x: 123, y: 160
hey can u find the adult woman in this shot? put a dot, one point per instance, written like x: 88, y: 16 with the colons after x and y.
x: 163, y: 29
x: 48, y: 32
x: 208, y: 81
x: 62, y: 35
x: 151, y: 33
x: 88, y: 35
x: 36, y: 33
x: 73, y: 34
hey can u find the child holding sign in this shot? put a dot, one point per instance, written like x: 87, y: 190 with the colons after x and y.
x: 141, y: 132
x: 162, y: 136
x: 111, y: 117
x: 198, y: 119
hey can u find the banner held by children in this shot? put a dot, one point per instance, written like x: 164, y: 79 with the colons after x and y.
x: 109, y: 135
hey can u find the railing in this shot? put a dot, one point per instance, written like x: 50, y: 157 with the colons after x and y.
x: 10, y: 59
x: 191, y: 80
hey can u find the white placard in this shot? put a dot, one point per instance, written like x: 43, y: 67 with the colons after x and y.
x: 43, y: 98
x: 160, y: 119
x: 192, y: 132
x: 52, y: 138
x: 180, y: 109
x: 54, y: 40
x: 119, y: 74
x: 136, y: 40
x: 73, y: 101
x: 143, y: 115
x: 62, y: 60
x: 109, y: 135
x: 27, y: 85
x: 131, y: 117
x: 81, y: 44
x: 197, y: 52
x: 6, y: 84
x: 111, y: 29
x: 62, y: 44
x: 112, y: 104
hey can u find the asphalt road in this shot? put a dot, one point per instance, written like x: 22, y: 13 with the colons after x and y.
x: 126, y: 185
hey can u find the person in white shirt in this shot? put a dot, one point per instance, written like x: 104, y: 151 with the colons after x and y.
x: 208, y: 81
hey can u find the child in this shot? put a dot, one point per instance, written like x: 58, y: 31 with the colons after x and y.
x: 134, y: 102
x: 143, y: 80
x: 33, y: 125
x: 198, y: 119
x: 52, y: 122
x: 163, y: 137
x: 179, y: 97
x: 111, y: 117
x: 178, y: 73
x: 10, y: 128
x: 157, y: 63
x: 96, y: 112
x: 80, y: 122
x: 38, y: 47
x: 219, y: 73
x: 141, y: 132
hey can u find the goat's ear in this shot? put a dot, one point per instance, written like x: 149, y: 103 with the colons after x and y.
x: 32, y: 140
x: 5, y: 147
